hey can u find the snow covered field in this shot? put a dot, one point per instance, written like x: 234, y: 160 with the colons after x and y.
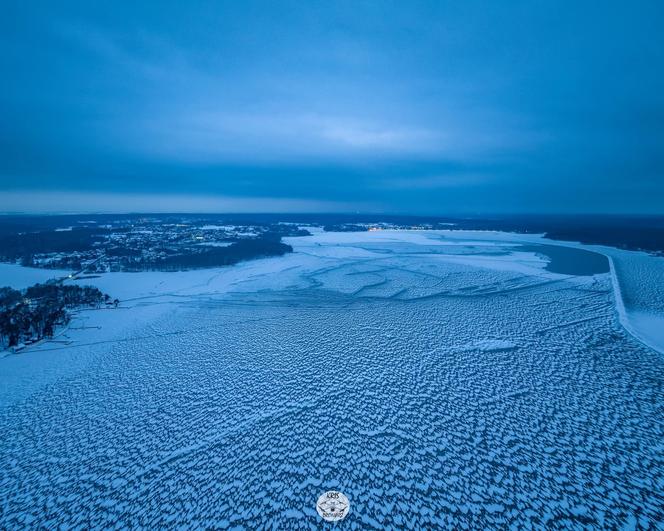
x: 437, y: 379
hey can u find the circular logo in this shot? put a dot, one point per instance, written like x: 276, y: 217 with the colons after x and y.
x: 333, y: 506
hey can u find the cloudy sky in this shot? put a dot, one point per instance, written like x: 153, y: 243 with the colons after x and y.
x: 409, y: 107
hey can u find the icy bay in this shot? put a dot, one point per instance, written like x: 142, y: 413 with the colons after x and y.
x: 437, y: 379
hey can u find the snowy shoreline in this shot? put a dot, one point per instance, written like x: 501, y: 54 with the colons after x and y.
x: 645, y: 327
x: 645, y: 322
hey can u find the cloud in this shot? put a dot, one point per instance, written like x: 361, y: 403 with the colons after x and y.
x: 214, y: 135
x: 52, y: 202
x: 430, y: 182
x: 368, y: 135
x: 487, y: 103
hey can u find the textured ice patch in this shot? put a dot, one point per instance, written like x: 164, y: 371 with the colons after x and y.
x: 492, y: 345
x: 384, y: 379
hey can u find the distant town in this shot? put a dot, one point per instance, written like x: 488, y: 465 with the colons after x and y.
x: 141, y: 243
x: 95, y: 244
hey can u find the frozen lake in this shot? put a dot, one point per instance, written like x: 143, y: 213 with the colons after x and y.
x: 436, y: 379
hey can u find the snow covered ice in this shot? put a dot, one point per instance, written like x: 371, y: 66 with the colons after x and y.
x: 436, y: 379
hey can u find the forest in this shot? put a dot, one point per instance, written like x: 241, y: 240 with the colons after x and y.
x: 210, y: 256
x: 35, y: 313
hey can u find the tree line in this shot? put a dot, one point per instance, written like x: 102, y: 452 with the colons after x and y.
x: 36, y: 312
x: 204, y: 257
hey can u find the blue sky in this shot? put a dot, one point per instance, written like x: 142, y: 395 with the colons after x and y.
x: 406, y: 107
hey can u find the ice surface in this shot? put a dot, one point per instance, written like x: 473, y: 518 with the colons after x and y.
x: 19, y: 277
x: 434, y: 389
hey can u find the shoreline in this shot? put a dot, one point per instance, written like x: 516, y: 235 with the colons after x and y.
x: 167, y: 285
